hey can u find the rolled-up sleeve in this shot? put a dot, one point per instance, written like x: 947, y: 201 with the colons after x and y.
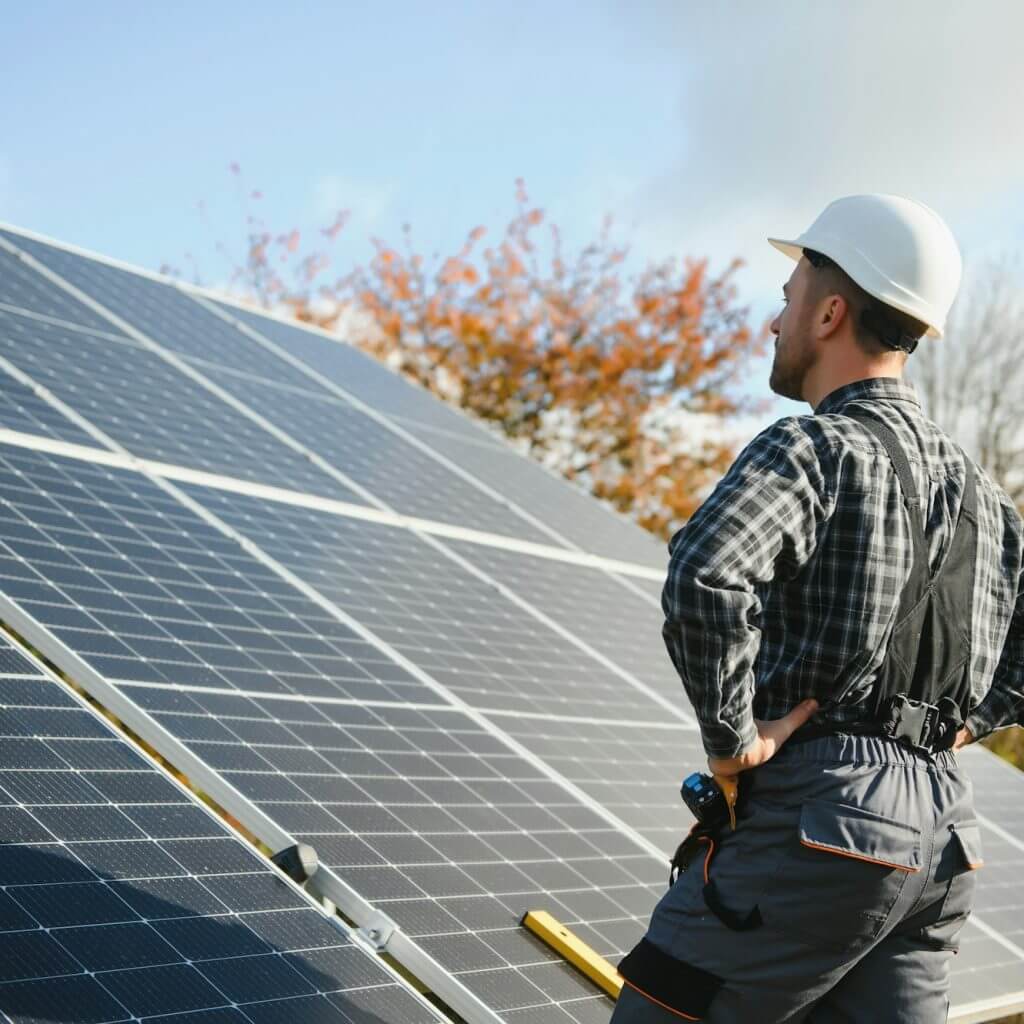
x: 761, y: 522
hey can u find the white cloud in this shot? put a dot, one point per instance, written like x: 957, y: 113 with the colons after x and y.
x: 786, y: 106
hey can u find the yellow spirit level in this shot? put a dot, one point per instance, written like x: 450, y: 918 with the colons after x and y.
x: 573, y: 949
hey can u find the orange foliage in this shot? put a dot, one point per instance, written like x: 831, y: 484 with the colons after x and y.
x: 581, y: 368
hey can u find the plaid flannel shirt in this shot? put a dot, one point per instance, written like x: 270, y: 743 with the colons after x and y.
x: 785, y: 583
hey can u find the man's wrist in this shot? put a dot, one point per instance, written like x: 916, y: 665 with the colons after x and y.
x: 978, y: 726
x: 724, y: 743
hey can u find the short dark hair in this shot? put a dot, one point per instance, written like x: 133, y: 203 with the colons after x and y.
x: 877, y: 327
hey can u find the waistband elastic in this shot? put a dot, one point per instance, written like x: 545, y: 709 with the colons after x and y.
x: 856, y: 749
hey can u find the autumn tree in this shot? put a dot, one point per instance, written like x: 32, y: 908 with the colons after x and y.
x: 621, y: 386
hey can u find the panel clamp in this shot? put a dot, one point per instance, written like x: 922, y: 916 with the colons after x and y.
x: 377, y: 932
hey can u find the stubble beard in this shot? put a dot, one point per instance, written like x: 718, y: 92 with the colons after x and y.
x: 787, y: 379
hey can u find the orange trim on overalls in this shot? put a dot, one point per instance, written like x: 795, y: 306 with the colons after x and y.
x: 658, y: 1002
x: 857, y: 856
x: 708, y: 855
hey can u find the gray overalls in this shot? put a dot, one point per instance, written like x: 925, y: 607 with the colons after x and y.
x: 840, y: 896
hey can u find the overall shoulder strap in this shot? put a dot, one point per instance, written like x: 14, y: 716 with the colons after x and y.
x: 906, y: 478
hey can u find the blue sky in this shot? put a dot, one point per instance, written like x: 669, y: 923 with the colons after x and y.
x: 702, y: 127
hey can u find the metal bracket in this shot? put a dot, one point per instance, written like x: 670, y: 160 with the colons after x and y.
x: 377, y: 932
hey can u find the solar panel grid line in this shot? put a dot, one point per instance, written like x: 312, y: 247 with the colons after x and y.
x: 626, y: 723
x: 65, y: 410
x: 301, y: 698
x: 114, y: 457
x: 633, y: 587
x: 52, y: 321
x: 185, y: 368
x: 136, y: 893
x: 387, y: 517
x: 118, y: 456
x: 487, y: 441
x: 390, y: 424
x: 413, y: 706
x: 1007, y: 837
x: 997, y: 936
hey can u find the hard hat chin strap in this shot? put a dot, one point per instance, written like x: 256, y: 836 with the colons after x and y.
x: 887, y: 332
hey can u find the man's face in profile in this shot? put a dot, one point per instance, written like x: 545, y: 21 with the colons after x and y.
x: 794, y: 348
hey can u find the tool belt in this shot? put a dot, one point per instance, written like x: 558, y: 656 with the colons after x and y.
x: 924, y: 727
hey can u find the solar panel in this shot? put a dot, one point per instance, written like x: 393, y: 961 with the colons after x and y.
x: 23, y: 289
x: 192, y: 629
x: 571, y: 513
x: 341, y: 364
x: 164, y: 314
x: 461, y: 729
x: 146, y: 405
x: 398, y: 473
x: 564, y: 508
x: 376, y: 458
x: 121, y: 898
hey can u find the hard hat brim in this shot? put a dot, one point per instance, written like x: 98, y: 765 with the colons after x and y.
x: 792, y: 248
x: 788, y: 247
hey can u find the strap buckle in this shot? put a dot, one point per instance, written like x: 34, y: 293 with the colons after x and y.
x: 926, y: 727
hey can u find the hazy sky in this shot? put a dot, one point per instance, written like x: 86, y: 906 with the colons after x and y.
x: 703, y: 127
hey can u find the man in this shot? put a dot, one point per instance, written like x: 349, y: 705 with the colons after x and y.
x: 839, y: 611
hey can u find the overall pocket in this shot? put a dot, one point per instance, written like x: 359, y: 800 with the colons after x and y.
x: 840, y: 874
x: 966, y: 857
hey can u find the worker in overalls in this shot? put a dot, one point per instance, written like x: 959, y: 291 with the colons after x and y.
x: 845, y: 611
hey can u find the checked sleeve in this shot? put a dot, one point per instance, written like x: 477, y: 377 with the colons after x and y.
x: 1003, y: 705
x: 761, y: 523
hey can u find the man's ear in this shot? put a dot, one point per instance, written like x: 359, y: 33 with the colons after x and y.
x: 834, y: 310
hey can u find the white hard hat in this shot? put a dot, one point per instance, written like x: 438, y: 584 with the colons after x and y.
x: 897, y: 249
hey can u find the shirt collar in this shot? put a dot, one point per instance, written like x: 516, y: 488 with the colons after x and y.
x: 874, y: 389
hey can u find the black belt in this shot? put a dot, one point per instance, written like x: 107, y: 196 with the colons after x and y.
x: 814, y: 732
x: 921, y: 726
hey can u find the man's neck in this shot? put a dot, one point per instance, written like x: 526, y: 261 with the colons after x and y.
x: 817, y: 390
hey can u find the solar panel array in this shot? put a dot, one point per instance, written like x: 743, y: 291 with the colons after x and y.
x: 123, y: 899
x: 361, y: 622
